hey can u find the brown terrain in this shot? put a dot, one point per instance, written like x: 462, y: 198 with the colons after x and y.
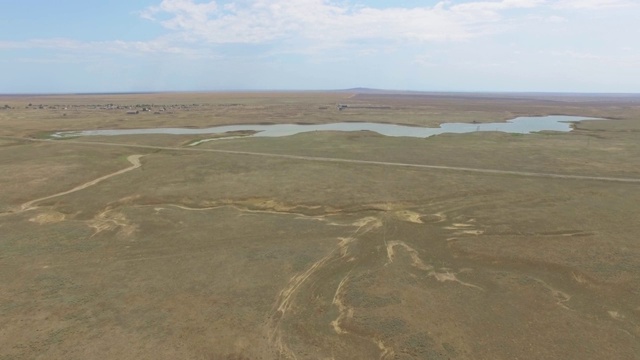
x: 321, y: 245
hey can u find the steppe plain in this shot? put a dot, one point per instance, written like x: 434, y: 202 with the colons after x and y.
x: 142, y: 247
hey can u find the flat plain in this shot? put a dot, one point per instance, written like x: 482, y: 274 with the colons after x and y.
x: 322, y: 245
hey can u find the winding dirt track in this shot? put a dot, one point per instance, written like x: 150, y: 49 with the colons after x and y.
x: 349, y: 161
x: 133, y: 159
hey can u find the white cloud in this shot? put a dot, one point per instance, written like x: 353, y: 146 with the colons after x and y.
x: 330, y: 30
x: 579, y: 55
x: 424, y: 60
x: 555, y: 19
x: 260, y: 21
x: 195, y: 29
x: 160, y: 45
x: 181, y: 9
x: 609, y: 60
x: 498, y: 5
x: 593, y: 4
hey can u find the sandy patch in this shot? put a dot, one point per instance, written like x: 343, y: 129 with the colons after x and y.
x: 415, y: 258
x: 344, y: 311
x: 615, y: 315
x: 49, y: 217
x: 367, y: 224
x: 470, y: 232
x: 110, y: 220
x: 409, y: 216
x: 462, y: 225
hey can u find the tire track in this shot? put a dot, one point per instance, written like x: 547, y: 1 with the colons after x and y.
x: 287, y: 295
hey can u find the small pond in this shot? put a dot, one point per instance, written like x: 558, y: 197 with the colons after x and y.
x: 520, y: 125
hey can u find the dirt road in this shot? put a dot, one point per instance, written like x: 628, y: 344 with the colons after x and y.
x: 350, y: 161
x: 133, y: 159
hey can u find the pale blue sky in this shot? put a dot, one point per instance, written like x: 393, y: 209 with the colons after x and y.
x: 455, y: 45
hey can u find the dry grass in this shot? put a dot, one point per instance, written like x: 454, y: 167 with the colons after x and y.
x: 221, y: 256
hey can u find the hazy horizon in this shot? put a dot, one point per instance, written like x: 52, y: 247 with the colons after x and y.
x: 354, y: 90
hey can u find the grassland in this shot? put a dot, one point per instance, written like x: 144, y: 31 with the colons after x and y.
x: 206, y: 254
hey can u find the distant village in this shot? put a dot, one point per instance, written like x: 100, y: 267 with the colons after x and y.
x: 169, y: 109
x: 127, y: 109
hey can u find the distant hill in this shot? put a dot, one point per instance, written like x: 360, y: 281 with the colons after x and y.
x: 364, y: 90
x: 551, y: 96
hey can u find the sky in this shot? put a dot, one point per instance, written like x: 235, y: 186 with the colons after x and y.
x: 76, y: 46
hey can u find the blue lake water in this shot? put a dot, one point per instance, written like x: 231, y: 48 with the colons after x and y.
x: 520, y: 125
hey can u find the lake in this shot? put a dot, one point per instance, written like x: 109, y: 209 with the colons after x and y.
x: 520, y: 125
